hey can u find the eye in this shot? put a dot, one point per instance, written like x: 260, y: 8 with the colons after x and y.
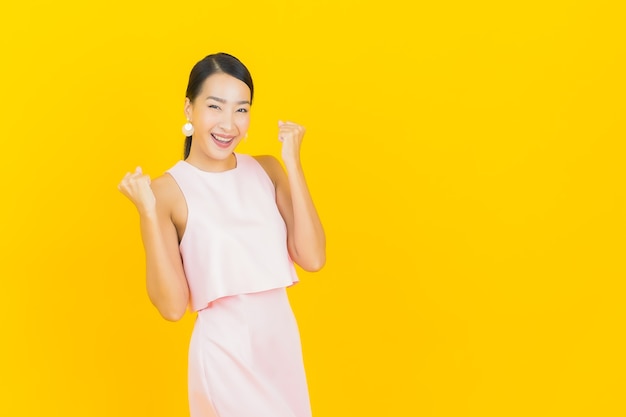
x: 242, y: 110
x: 214, y: 106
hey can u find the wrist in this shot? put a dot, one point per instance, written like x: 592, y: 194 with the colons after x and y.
x: 292, y: 163
x: 147, y: 214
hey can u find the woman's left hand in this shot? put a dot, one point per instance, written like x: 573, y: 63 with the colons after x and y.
x: 290, y: 134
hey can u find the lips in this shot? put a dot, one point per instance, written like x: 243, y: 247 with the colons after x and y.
x: 222, y: 141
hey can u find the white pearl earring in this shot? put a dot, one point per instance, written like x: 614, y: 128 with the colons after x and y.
x: 188, y: 129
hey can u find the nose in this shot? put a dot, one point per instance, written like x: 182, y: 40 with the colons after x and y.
x: 227, y: 121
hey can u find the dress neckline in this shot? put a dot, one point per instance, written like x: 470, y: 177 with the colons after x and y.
x: 237, y: 165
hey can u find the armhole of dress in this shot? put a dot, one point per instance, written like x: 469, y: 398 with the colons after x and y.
x: 265, y: 173
x: 186, y: 202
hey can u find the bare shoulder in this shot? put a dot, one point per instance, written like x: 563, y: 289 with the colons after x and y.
x: 267, y: 161
x: 167, y: 192
x: 170, y: 201
x: 164, y: 186
x: 271, y: 165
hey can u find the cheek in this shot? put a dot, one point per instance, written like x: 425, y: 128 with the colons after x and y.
x: 209, y: 118
x: 204, y: 115
x: 243, y: 121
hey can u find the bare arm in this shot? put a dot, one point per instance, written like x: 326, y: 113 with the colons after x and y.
x: 165, y: 278
x: 306, y: 239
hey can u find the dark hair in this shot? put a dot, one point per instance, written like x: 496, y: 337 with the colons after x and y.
x: 215, y: 63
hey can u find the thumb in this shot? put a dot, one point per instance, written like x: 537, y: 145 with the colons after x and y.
x: 138, y: 170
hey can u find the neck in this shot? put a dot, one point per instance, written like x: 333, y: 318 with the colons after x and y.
x: 213, y: 165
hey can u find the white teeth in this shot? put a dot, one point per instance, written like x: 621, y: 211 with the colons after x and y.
x: 221, y: 140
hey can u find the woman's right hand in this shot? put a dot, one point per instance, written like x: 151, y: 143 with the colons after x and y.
x: 136, y: 186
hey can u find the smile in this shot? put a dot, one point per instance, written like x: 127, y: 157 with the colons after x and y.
x: 223, y: 142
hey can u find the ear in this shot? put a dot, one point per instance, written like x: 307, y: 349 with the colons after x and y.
x: 188, y: 108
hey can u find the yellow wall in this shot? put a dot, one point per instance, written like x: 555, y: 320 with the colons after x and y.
x: 467, y: 159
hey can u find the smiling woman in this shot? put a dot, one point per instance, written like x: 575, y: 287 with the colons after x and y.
x: 221, y: 232
x: 220, y: 117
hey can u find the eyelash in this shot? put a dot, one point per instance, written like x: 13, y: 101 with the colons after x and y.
x: 216, y: 107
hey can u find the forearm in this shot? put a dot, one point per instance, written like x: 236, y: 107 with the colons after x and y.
x: 309, y: 237
x: 165, y: 279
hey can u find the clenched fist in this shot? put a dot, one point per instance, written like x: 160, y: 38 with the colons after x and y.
x: 136, y: 186
x: 290, y: 134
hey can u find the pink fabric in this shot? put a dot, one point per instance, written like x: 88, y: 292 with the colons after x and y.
x: 245, y: 357
x: 235, y: 241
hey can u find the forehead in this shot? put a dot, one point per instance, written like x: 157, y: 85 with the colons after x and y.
x: 225, y: 86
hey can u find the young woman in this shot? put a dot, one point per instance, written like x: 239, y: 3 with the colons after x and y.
x: 221, y: 232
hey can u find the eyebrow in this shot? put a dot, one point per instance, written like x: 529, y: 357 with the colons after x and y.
x: 221, y: 100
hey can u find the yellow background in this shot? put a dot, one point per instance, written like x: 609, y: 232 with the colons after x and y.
x: 467, y: 160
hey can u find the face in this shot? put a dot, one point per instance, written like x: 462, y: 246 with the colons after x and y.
x: 220, y: 116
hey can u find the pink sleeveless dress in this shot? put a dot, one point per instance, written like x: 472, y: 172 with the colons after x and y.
x: 245, y: 357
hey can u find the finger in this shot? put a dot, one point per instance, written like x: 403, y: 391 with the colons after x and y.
x: 291, y: 127
x: 287, y: 124
x: 291, y: 133
x: 287, y: 130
